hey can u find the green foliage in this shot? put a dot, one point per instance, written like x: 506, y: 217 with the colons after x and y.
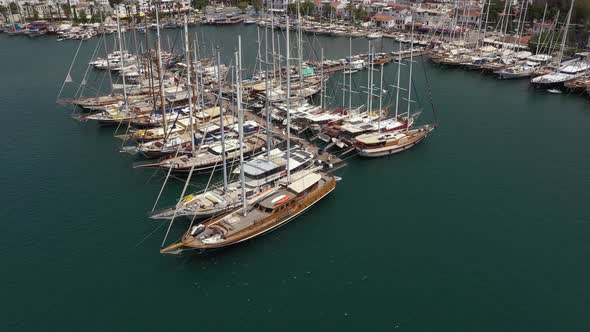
x: 66, y: 10
x: 305, y: 8
x: 3, y: 10
x: 257, y: 4
x: 242, y: 5
x: 539, y: 38
x: 199, y: 4
x: 14, y: 7
x: 360, y: 13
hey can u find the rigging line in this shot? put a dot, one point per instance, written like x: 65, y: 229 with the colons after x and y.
x: 170, y: 168
x: 149, y: 234
x: 204, y: 190
x: 429, y: 90
x: 190, y: 173
x: 182, y: 196
x: 82, y: 85
x: 68, y: 77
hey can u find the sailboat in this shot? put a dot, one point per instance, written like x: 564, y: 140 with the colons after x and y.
x: 567, y: 70
x: 264, y: 212
x: 532, y: 63
x: 378, y: 144
x: 260, y: 175
x: 343, y: 133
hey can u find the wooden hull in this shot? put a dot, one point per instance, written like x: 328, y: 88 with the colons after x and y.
x: 393, y: 147
x: 270, y: 223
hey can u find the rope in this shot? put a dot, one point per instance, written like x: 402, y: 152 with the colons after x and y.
x: 429, y: 90
x: 70, y: 70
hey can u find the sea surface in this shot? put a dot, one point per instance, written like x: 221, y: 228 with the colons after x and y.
x: 484, y: 226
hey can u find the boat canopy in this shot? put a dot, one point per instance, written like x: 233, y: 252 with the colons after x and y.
x: 305, y: 182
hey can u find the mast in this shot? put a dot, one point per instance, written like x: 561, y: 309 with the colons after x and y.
x: 160, y: 73
x: 272, y: 37
x: 369, y: 76
x: 122, y: 64
x: 106, y: 51
x: 526, y: 8
x: 322, y: 80
x: 479, y: 25
x: 280, y: 65
x: 542, y: 28
x: 299, y: 49
x: 11, y: 18
x: 380, y: 100
x: 187, y: 53
x: 350, y: 74
x: 219, y: 99
x: 399, y: 66
x: 241, y: 122
x: 485, y: 28
x: 259, y: 54
x: 566, y: 28
x: 288, y: 104
x: 410, y: 73
x: 370, y: 84
x: 198, y: 76
x: 267, y: 91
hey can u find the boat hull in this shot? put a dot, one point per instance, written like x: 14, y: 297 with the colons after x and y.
x: 386, y: 151
x: 312, y: 200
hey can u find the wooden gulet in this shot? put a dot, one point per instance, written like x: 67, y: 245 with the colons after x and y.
x: 382, y: 144
x: 264, y: 212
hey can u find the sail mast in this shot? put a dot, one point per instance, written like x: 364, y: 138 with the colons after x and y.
x: 288, y: 104
x: 410, y: 74
x: 259, y: 42
x: 369, y: 75
x: 349, y: 73
x: 370, y: 84
x: 322, y: 80
x: 272, y: 37
x: 122, y: 63
x: 299, y: 49
x: 160, y: 73
x: 380, y: 99
x: 220, y: 104
x: 187, y: 53
x: 267, y: 91
x: 241, y: 121
x: 566, y: 27
x: 399, y: 66
x: 542, y: 28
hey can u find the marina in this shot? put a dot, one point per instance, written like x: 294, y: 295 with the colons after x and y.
x: 235, y: 163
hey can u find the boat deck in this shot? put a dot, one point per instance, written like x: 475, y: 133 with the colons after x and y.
x: 324, y: 157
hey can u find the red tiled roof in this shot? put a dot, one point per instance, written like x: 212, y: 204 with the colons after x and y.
x: 382, y: 18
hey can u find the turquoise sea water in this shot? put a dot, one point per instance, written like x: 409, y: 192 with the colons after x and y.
x: 484, y: 226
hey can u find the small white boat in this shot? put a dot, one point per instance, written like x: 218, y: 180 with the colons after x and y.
x: 554, y: 91
x: 375, y: 35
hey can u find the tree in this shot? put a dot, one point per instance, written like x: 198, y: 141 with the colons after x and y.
x: 257, y: 4
x: 50, y: 9
x: 360, y: 13
x: 199, y: 4
x: 307, y: 7
x: 242, y: 5
x: 4, y: 10
x: 14, y: 7
x: 66, y: 9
